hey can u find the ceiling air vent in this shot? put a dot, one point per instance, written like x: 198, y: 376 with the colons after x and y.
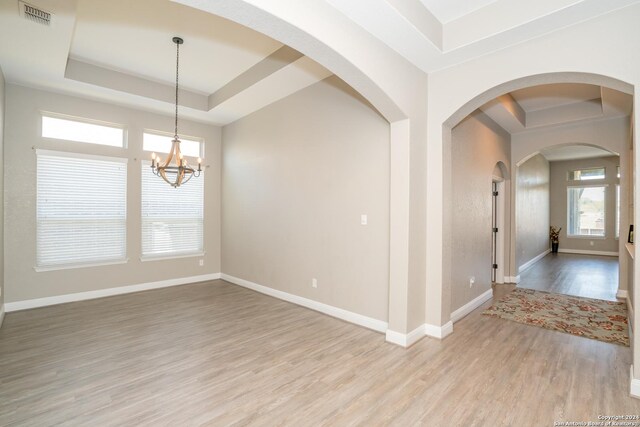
x: 35, y: 14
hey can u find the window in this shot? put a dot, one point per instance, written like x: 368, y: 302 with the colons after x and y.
x: 81, y: 209
x: 82, y: 130
x: 172, y: 218
x: 617, y: 211
x: 190, y: 147
x: 585, y: 211
x: 586, y: 174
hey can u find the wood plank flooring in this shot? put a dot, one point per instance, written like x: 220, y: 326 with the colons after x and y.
x: 588, y: 276
x: 217, y: 354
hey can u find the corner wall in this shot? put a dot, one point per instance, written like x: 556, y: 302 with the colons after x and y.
x: 478, y: 144
x: 532, y: 210
x: 22, y: 134
x: 297, y: 176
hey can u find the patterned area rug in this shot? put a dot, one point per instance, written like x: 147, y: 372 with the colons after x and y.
x: 586, y: 317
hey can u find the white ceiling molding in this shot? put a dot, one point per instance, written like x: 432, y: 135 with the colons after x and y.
x: 468, y: 29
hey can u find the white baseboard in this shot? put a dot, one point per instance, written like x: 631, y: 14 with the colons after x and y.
x: 634, y: 386
x: 358, y: 319
x: 533, y: 260
x: 81, y: 296
x: 622, y: 294
x: 472, y: 305
x: 439, y: 332
x: 512, y: 279
x: 584, y: 252
x: 1, y: 314
x: 407, y: 340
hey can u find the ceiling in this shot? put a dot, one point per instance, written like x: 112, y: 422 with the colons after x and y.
x: 450, y: 10
x: 555, y: 105
x: 435, y: 34
x: 121, y: 51
x: 574, y: 152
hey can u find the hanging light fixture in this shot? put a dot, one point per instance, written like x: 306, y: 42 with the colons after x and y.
x: 179, y: 172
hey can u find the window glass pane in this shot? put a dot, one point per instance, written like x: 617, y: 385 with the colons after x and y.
x: 81, y: 216
x: 585, y: 211
x: 79, y: 131
x: 162, y: 144
x: 172, y: 218
x: 586, y: 174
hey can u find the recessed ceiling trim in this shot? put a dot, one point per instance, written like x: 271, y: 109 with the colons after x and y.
x: 122, y: 82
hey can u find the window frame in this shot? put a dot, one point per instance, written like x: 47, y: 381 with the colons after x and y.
x: 572, y: 173
x: 85, y: 120
x: 587, y: 236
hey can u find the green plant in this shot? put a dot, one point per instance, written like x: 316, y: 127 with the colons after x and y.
x: 554, y: 234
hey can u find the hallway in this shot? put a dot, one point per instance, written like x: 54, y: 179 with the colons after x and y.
x: 588, y: 276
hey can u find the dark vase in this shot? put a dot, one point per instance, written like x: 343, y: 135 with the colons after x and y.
x: 554, y: 247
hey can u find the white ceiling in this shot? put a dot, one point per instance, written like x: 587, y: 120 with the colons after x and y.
x: 121, y: 51
x: 554, y: 95
x: 574, y: 152
x: 555, y: 105
x: 449, y: 10
x: 435, y: 34
x: 135, y: 37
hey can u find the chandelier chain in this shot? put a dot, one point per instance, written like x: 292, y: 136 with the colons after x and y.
x: 177, y: 64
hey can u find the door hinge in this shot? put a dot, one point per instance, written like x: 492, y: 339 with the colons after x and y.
x: 495, y: 229
x: 495, y: 266
x: 495, y: 193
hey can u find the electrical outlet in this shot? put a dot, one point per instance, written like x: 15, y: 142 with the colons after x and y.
x: 591, y: 243
x: 201, y: 262
x: 314, y: 283
x: 363, y: 219
x: 472, y: 280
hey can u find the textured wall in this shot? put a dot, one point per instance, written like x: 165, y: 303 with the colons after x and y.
x: 22, y: 132
x: 478, y: 144
x: 297, y: 175
x: 532, y: 209
x: 559, y: 186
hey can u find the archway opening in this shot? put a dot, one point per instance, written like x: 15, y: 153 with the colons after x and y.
x: 516, y: 121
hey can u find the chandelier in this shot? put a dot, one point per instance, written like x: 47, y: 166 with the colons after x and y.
x: 174, y: 169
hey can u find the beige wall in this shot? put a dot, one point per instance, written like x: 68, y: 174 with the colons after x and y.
x: 558, y: 207
x: 532, y: 209
x: 297, y: 175
x: 2, y: 110
x: 22, y: 134
x: 478, y: 144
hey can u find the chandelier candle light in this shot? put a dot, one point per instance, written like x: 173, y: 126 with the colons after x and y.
x: 180, y: 172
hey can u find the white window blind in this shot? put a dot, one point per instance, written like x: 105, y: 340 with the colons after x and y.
x: 172, y: 218
x: 81, y: 209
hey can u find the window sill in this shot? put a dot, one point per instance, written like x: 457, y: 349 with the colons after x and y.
x: 40, y: 269
x: 171, y: 256
x: 588, y: 237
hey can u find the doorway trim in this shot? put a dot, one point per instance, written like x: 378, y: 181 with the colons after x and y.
x: 500, y: 224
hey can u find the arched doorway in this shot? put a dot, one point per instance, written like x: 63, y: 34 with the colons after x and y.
x: 450, y: 266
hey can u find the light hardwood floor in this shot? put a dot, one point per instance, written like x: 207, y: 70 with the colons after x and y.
x: 587, y: 276
x: 217, y: 354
